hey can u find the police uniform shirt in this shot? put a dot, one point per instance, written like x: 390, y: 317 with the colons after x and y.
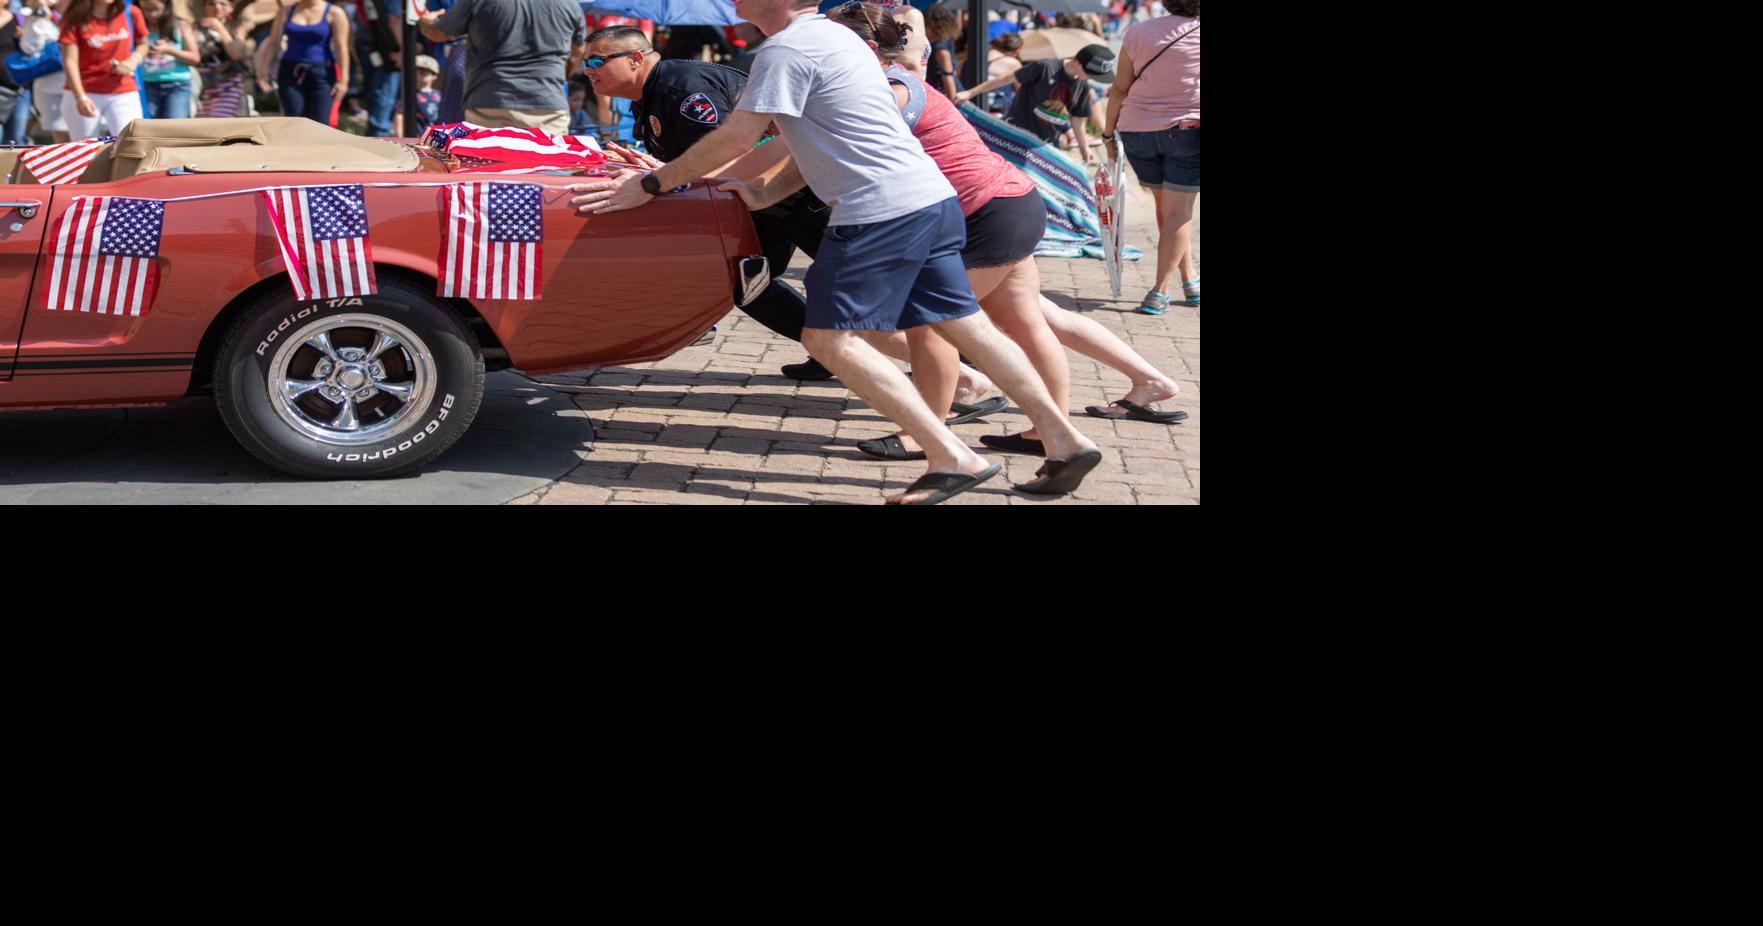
x: 684, y: 101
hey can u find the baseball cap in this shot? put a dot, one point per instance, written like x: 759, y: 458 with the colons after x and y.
x: 428, y: 63
x: 1098, y: 62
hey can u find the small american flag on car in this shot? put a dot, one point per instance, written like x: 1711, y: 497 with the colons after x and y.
x: 105, y: 256
x: 439, y: 137
x: 495, y: 241
x: 322, y: 234
x: 57, y: 164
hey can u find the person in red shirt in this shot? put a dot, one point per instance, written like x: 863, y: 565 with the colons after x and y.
x: 102, y: 43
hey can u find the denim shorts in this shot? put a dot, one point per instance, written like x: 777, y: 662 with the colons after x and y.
x: 1169, y: 159
x: 892, y: 275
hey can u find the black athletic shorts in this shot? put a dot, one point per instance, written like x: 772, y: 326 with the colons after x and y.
x: 1004, y: 231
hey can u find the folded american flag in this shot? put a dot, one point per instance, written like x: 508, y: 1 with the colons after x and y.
x: 322, y: 234
x: 523, y: 147
x: 481, y: 166
x: 55, y: 164
x: 495, y: 240
x: 105, y: 256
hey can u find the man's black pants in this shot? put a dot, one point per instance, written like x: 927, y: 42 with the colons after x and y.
x: 797, y: 222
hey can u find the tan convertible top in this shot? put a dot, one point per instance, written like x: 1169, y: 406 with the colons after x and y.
x: 265, y: 143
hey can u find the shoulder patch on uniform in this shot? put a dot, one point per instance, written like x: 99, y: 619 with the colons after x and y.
x: 698, y: 108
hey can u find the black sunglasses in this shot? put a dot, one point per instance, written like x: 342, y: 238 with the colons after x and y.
x: 595, y: 62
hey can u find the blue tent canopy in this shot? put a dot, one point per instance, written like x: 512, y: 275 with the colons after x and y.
x: 921, y: 4
x: 669, y: 12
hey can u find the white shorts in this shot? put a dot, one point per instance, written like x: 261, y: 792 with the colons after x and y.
x: 46, y: 93
x: 115, y: 112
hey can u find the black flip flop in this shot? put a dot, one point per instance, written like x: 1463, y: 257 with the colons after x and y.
x: 1014, y: 443
x: 966, y: 413
x: 1061, y: 477
x: 949, y: 485
x: 889, y: 448
x: 809, y: 372
x: 1136, y: 412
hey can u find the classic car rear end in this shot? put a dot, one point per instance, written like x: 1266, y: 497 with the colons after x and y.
x: 354, y: 386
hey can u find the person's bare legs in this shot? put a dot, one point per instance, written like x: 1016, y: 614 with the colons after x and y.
x: 970, y: 386
x: 884, y: 388
x: 936, y: 366
x: 1175, y: 235
x: 1008, y: 366
x: 1010, y: 296
x: 1088, y: 337
x: 937, y: 370
x: 1185, y: 243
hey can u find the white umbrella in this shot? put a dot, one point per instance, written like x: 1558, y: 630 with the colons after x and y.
x: 1055, y: 43
x: 1058, y: 6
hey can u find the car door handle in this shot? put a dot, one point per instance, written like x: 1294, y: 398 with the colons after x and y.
x: 26, y: 208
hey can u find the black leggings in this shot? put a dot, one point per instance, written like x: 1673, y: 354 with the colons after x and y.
x: 800, y: 225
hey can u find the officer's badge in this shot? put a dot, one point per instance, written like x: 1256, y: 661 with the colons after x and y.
x: 655, y: 125
x: 698, y: 108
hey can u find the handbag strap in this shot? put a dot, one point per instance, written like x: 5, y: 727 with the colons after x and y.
x: 1165, y: 48
x: 128, y: 23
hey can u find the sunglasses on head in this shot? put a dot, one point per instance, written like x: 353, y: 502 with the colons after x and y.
x: 856, y: 6
x: 595, y: 62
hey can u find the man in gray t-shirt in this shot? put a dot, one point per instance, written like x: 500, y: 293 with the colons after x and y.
x: 517, y: 69
x: 891, y: 255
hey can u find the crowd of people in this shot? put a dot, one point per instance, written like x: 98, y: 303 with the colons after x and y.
x: 92, y: 66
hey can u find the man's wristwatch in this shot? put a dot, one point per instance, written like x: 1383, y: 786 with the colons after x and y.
x: 651, y: 185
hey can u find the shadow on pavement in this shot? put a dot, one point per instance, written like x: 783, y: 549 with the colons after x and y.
x: 524, y: 436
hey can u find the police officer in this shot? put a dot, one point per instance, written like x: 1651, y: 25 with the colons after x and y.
x: 680, y: 101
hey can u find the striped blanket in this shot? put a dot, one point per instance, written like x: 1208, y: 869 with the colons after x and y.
x: 1073, y: 229
x: 222, y: 97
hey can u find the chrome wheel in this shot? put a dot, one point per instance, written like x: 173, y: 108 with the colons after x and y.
x: 351, y: 379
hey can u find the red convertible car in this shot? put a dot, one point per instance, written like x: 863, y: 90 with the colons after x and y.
x: 319, y: 384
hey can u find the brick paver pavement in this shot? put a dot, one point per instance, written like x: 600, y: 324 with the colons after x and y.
x: 718, y: 425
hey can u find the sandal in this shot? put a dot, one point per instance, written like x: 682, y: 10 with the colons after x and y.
x: 1061, y: 477
x: 889, y: 448
x: 949, y: 485
x: 966, y: 413
x: 1135, y: 412
x: 1014, y: 443
x: 811, y: 372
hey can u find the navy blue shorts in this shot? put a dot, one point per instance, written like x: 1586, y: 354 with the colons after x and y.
x: 892, y: 275
x: 1169, y: 159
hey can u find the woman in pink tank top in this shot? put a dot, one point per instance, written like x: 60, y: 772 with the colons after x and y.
x: 1155, y: 106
